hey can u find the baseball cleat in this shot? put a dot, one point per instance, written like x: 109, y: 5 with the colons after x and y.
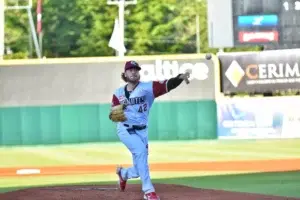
x: 121, y: 182
x: 151, y: 196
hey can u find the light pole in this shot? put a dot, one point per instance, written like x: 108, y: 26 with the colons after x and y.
x: 27, y: 7
x: 121, y: 4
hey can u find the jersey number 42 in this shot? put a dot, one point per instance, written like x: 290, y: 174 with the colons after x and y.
x: 142, y: 108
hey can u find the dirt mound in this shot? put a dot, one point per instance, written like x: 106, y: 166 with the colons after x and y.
x: 133, y: 192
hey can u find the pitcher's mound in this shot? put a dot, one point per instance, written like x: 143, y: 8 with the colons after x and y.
x: 133, y: 192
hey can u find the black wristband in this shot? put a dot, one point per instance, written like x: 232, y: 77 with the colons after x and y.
x: 174, y: 82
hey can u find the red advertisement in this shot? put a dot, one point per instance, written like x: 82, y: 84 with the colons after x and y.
x: 256, y: 37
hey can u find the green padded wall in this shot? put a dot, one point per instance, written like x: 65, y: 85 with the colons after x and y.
x: 90, y: 123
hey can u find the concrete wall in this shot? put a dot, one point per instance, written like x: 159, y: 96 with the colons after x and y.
x: 94, y: 82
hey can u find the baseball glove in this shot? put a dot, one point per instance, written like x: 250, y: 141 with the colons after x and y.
x: 117, y: 113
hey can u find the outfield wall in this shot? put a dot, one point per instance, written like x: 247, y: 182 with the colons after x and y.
x: 68, y: 100
x: 272, y: 71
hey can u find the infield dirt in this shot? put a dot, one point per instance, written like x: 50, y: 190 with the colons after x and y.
x: 133, y: 192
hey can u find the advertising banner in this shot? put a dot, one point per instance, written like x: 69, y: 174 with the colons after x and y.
x: 82, y: 81
x: 257, y: 29
x: 259, y: 118
x: 260, y: 72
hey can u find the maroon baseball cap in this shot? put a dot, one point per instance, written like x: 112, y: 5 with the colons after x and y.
x: 132, y: 64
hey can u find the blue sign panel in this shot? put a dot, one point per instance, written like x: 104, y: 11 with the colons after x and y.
x: 258, y: 20
x: 259, y: 118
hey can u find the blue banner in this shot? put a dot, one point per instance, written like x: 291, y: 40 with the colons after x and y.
x: 258, y: 21
x: 259, y: 118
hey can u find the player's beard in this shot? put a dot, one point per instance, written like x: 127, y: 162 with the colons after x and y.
x: 134, y: 79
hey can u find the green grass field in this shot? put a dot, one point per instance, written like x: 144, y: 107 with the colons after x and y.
x: 160, y: 152
x: 283, y: 183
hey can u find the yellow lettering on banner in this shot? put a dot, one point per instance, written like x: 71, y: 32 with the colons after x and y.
x: 248, y: 73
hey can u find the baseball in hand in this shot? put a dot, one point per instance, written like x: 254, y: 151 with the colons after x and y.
x: 187, y: 81
x: 187, y: 76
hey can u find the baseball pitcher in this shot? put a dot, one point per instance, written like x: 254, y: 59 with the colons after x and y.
x: 131, y: 104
